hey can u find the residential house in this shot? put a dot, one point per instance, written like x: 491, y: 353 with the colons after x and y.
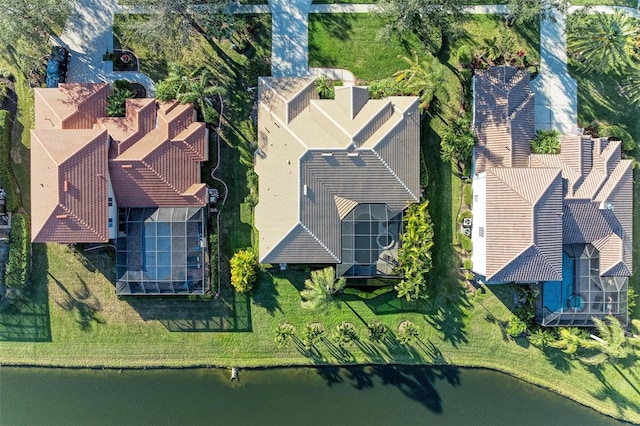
x: 334, y: 175
x: 561, y: 221
x: 133, y: 180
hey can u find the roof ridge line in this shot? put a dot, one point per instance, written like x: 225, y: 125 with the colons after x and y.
x: 393, y: 173
x: 319, y: 241
x: 520, y: 107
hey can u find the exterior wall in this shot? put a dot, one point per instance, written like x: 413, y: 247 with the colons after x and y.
x: 299, y: 102
x: 479, y: 207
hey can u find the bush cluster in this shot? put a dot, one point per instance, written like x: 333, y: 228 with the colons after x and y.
x: 17, y: 270
x: 5, y: 160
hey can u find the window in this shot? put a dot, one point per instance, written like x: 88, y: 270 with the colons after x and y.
x: 110, y: 201
x: 110, y: 222
x: 475, y: 198
x: 481, y: 231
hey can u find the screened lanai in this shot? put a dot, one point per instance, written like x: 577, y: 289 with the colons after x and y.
x: 370, y: 241
x: 583, y: 293
x: 161, y: 251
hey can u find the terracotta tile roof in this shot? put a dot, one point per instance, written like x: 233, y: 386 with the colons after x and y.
x: 317, y: 159
x: 69, y: 185
x: 70, y: 106
x: 154, y: 160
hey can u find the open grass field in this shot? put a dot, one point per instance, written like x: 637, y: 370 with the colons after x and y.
x: 70, y: 316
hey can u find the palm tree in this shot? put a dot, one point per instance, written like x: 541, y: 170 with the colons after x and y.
x: 320, y: 288
x: 199, y: 90
x: 611, y: 344
x: 284, y: 333
x: 407, y: 332
x: 569, y: 340
x: 607, y: 44
x: 423, y: 78
x: 346, y: 332
x: 631, y: 87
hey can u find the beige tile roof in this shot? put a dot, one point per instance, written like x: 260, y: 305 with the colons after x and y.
x: 154, y: 160
x: 503, y: 118
x: 317, y: 159
x: 524, y: 237
x: 523, y: 224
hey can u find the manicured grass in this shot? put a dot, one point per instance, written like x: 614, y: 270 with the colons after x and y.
x: 73, y: 308
x: 349, y: 41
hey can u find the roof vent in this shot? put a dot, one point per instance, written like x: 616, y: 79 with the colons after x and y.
x: 352, y: 154
x: 327, y: 154
x: 66, y: 185
x: 305, y: 189
x: 609, y: 205
x: 61, y: 216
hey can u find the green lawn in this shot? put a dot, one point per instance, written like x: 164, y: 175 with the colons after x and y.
x: 72, y: 317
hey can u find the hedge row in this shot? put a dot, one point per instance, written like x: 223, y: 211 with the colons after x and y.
x: 6, y: 180
x: 17, y: 270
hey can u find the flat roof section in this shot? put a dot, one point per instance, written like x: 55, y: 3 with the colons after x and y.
x: 161, y: 251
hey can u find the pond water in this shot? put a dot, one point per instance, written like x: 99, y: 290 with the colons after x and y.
x: 384, y: 395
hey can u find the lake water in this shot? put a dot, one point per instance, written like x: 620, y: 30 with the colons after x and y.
x: 384, y: 395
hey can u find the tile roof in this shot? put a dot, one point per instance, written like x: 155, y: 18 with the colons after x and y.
x: 69, y: 185
x: 317, y: 159
x: 593, y: 204
x: 154, y: 159
x: 523, y: 224
x: 503, y: 118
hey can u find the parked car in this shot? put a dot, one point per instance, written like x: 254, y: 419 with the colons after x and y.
x: 57, y: 66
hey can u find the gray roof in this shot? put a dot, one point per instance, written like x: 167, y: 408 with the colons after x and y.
x: 317, y: 159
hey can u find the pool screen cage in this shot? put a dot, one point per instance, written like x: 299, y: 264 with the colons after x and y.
x: 161, y: 251
x: 370, y: 242
x: 582, y: 294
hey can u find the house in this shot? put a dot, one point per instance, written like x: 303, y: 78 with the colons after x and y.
x: 334, y: 175
x: 133, y: 180
x: 561, y: 221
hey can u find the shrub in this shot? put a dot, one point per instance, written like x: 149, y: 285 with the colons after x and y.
x: 546, y: 142
x: 515, y: 326
x: 213, y: 254
x: 617, y: 132
x: 243, y: 270
x: 284, y: 332
x: 346, y: 332
x: 468, y: 194
x: 17, y: 270
x: 6, y: 178
x: 407, y: 332
x: 541, y: 338
x: 466, y: 243
x: 467, y: 264
x: 465, y: 214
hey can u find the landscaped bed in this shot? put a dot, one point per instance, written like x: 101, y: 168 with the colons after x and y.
x: 71, y: 315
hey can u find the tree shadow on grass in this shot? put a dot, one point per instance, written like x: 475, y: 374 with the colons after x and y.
x: 557, y: 358
x: 81, y: 301
x: 609, y: 392
x: 27, y: 318
x: 265, y: 294
x: 336, y: 25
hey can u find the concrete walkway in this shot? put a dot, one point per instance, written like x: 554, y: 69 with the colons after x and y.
x: 289, y: 37
x: 88, y: 36
x: 556, y: 93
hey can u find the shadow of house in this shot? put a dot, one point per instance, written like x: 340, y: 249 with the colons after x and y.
x: 27, y: 318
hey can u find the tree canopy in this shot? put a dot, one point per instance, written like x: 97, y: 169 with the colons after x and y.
x: 606, y: 43
x: 243, y: 270
x: 171, y: 23
x: 429, y: 20
x: 529, y: 11
x: 319, y: 290
x: 423, y: 78
x: 29, y: 23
